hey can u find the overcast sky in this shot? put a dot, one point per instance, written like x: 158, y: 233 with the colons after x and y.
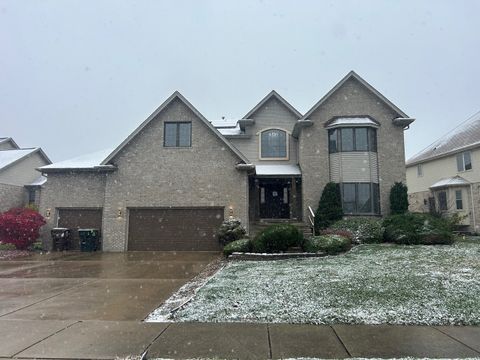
x: 80, y: 76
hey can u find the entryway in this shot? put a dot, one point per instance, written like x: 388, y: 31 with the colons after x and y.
x: 275, y: 198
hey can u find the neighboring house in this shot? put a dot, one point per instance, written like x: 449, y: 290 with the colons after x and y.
x: 20, y: 183
x: 171, y: 183
x: 445, y: 177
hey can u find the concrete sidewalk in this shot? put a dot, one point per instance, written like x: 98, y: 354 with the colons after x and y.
x: 42, y: 339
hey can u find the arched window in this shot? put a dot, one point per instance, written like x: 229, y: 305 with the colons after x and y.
x: 273, y: 144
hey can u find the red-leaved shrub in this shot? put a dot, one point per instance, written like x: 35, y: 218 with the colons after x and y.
x: 20, y: 227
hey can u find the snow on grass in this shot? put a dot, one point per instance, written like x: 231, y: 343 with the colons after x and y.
x: 372, y: 284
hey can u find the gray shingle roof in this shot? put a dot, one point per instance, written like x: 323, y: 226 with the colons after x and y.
x: 464, y: 136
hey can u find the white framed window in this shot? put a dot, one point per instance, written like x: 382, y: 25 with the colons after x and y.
x: 464, y: 161
x: 274, y: 144
x: 459, y: 199
x: 419, y: 170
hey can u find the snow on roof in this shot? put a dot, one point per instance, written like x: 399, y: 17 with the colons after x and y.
x: 278, y: 170
x: 4, y: 139
x: 224, y: 123
x: 8, y: 157
x: 349, y: 121
x: 467, y: 134
x: 451, y: 181
x: 39, y: 181
x: 230, y: 130
x: 87, y: 161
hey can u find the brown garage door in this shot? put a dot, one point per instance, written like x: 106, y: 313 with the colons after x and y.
x: 79, y: 219
x: 174, y: 229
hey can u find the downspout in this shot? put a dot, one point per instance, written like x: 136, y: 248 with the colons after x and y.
x: 473, y: 208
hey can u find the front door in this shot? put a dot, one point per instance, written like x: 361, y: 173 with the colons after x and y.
x: 275, y: 201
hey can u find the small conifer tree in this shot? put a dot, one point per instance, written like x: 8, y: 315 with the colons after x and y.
x: 399, y: 198
x: 329, y: 208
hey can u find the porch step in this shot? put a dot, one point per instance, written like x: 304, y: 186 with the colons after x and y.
x: 258, y: 226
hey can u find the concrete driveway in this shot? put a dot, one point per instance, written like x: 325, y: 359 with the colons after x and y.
x: 94, y: 286
x: 90, y: 306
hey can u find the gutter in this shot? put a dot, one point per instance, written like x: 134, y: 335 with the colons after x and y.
x: 300, y: 124
x: 100, y: 168
x: 403, y: 121
x: 245, y: 167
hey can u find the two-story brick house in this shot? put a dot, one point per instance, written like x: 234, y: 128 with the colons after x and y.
x: 176, y: 177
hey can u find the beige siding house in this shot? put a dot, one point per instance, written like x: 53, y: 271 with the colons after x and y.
x: 19, y: 181
x: 171, y: 183
x: 445, y: 177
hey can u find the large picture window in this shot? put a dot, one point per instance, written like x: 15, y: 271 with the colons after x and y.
x: 177, y: 134
x: 352, y: 139
x: 273, y: 144
x: 360, y: 198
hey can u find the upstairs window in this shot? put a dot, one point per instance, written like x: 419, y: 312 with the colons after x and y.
x: 352, y: 139
x: 177, y: 134
x: 273, y: 144
x: 419, y: 170
x: 464, y: 161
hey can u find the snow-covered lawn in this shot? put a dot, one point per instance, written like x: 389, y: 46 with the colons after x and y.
x: 371, y: 284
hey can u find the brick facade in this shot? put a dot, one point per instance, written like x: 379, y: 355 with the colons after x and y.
x: 11, y: 196
x: 351, y: 99
x: 148, y: 175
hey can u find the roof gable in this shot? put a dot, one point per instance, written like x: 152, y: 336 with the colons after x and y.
x: 9, y: 158
x: 174, y: 96
x: 270, y: 95
x: 13, y: 144
x: 353, y: 75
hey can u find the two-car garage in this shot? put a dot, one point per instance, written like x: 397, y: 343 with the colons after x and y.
x: 156, y: 229
x: 174, y: 229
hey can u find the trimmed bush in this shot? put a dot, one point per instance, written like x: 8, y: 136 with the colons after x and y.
x: 20, y: 227
x: 277, y: 238
x: 329, y: 208
x: 242, y: 245
x: 6, y: 246
x: 398, y: 198
x: 418, y: 228
x: 363, y: 230
x: 230, y: 230
x: 37, y: 246
x: 331, y: 244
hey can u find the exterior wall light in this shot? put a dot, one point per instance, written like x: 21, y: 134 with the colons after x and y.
x: 48, y: 213
x: 230, y: 211
x: 119, y: 212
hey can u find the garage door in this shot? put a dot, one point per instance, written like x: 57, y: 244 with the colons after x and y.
x: 79, y: 219
x: 174, y: 229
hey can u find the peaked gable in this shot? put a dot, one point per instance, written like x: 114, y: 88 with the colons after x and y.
x: 9, y: 158
x: 270, y: 95
x: 353, y: 75
x: 7, y: 143
x: 176, y: 95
